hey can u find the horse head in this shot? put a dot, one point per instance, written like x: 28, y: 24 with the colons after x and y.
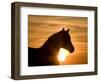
x: 59, y: 40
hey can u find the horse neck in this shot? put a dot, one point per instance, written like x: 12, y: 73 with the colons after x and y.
x: 49, y: 49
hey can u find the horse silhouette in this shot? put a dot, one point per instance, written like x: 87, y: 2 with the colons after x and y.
x: 48, y: 52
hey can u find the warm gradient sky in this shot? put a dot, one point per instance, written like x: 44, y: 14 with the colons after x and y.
x: 42, y: 27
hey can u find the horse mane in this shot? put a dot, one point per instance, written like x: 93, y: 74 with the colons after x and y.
x: 60, y: 34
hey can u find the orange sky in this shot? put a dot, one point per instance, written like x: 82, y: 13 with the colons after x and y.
x: 42, y: 27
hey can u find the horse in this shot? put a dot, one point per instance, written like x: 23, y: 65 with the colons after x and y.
x: 48, y: 52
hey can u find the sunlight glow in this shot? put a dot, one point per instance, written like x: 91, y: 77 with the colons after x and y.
x: 62, y: 54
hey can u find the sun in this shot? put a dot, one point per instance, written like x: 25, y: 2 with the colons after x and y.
x: 62, y: 54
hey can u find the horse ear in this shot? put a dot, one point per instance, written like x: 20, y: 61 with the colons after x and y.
x: 68, y: 30
x: 63, y: 29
